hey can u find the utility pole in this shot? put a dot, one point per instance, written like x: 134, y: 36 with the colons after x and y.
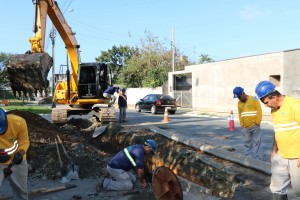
x: 52, y: 36
x: 173, y: 50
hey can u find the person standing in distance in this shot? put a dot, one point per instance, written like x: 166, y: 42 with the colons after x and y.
x: 14, y: 143
x: 285, y: 156
x: 250, y: 115
x: 122, y: 102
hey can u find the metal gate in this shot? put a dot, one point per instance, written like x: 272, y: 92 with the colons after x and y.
x: 183, y: 98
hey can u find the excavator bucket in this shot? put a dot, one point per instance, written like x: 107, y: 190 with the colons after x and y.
x: 28, y: 73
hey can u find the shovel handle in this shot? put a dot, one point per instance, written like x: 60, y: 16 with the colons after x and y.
x: 58, y: 153
x: 63, y: 147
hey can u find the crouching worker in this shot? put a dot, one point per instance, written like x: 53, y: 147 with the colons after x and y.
x: 109, y: 94
x: 14, y: 143
x: 120, y: 166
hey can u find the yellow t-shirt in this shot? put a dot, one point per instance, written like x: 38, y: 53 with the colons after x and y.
x: 249, y: 112
x: 286, y: 122
x: 15, y: 137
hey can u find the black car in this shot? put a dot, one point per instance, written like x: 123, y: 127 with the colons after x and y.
x: 156, y: 103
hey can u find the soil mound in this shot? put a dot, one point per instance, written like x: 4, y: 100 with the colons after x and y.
x: 42, y: 155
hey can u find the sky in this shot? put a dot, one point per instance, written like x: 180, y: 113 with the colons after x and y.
x: 222, y: 29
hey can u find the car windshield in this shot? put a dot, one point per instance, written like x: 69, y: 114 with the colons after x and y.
x: 164, y: 97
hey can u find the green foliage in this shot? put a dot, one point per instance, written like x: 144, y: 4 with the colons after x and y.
x: 155, y: 77
x: 116, y: 58
x: 33, y: 109
x: 16, y: 104
x: 146, y: 66
x: 6, y: 94
x: 4, y: 79
x: 205, y: 59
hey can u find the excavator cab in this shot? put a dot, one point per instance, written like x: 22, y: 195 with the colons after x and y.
x: 93, y: 79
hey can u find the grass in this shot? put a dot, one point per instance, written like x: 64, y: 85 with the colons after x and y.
x: 15, y: 104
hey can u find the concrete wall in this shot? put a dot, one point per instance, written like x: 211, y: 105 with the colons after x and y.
x: 212, y: 83
x: 291, y: 73
x: 135, y: 94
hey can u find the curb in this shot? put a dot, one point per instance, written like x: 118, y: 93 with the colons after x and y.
x: 259, y: 165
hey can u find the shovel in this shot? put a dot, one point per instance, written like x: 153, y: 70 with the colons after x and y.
x: 99, y: 130
x: 73, y: 169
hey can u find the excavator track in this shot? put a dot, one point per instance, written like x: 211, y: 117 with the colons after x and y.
x: 107, y: 115
x: 103, y: 115
x: 28, y: 73
x: 59, y: 115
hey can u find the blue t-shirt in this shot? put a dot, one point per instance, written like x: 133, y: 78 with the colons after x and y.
x: 111, y: 90
x: 120, y: 161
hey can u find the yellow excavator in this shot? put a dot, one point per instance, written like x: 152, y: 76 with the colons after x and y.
x: 82, y: 91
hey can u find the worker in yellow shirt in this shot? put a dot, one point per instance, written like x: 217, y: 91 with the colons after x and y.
x: 285, y: 156
x: 250, y: 115
x: 14, y: 143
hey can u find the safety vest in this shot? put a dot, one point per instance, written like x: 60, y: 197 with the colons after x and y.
x: 286, y: 127
x: 12, y: 149
x: 249, y: 113
x: 129, y: 157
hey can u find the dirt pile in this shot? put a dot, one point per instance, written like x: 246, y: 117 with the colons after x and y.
x: 91, y: 155
x: 42, y: 155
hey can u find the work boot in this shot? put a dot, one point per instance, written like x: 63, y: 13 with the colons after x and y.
x: 99, y: 186
x: 279, y: 196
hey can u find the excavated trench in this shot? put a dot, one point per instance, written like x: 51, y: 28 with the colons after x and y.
x: 220, y: 177
x: 197, y: 171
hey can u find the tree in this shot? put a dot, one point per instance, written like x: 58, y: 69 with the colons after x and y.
x: 4, y: 79
x: 144, y: 66
x: 117, y: 58
x: 149, y: 67
x: 205, y: 59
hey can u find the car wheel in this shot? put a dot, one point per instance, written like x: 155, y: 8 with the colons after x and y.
x: 137, y: 108
x: 172, y: 112
x: 153, y: 110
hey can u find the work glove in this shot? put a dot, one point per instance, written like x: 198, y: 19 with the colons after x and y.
x: 7, y: 171
x: 17, y: 159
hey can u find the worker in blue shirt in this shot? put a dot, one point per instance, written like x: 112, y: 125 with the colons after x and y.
x: 120, y: 167
x: 122, y: 102
x: 109, y: 93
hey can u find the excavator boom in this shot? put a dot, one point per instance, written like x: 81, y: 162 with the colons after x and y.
x: 85, y: 84
x: 28, y: 72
